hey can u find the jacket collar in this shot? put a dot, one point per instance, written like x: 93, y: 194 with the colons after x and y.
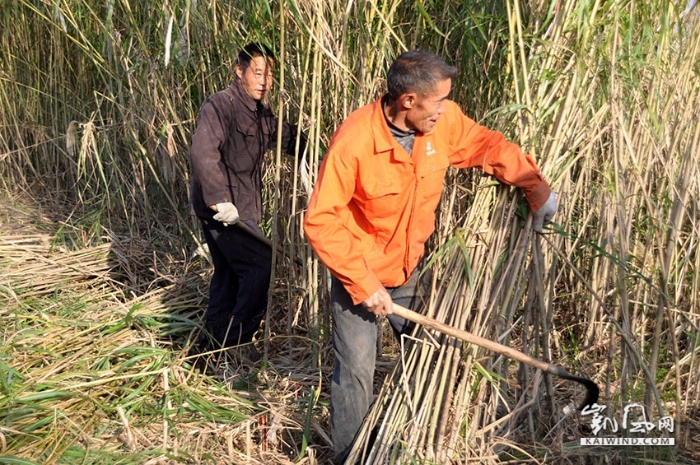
x: 383, y: 140
x: 247, y: 100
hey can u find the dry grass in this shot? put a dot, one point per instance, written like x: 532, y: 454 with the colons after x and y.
x: 96, y: 363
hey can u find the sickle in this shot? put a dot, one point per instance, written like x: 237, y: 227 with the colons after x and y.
x: 592, y: 391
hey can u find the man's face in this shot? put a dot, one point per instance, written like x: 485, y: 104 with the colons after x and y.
x: 427, y: 109
x: 256, y: 80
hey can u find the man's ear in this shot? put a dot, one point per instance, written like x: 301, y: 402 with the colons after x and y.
x: 239, y: 71
x: 407, y: 100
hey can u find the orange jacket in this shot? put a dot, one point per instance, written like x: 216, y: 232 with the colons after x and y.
x: 373, y: 205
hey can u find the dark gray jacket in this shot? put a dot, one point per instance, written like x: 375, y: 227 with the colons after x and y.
x: 233, y: 132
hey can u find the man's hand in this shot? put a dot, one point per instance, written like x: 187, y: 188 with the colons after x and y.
x: 227, y: 213
x: 379, y: 303
x: 545, y: 213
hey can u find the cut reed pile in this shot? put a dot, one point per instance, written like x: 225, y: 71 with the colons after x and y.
x: 96, y: 369
x: 98, y: 104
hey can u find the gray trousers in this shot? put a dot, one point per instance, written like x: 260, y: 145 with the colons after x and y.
x: 355, y: 347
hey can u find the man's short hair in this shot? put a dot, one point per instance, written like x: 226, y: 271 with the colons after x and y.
x: 251, y: 50
x: 417, y: 71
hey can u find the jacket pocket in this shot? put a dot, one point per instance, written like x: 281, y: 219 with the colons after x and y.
x: 247, y: 127
x: 383, y: 198
x: 432, y: 181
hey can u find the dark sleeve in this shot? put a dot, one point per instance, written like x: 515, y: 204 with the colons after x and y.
x: 289, y: 139
x: 205, y: 156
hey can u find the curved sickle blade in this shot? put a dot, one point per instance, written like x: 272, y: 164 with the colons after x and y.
x: 592, y: 391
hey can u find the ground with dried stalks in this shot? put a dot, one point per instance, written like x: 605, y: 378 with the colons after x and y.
x: 98, y: 363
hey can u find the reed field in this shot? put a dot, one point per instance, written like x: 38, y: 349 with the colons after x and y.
x: 104, y: 279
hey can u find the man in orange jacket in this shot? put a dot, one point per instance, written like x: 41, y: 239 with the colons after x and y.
x: 373, y: 208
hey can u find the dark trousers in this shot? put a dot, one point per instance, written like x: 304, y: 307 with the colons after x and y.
x: 239, y: 286
x: 355, y: 347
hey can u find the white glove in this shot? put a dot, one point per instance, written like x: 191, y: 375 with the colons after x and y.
x: 227, y: 213
x: 545, y: 213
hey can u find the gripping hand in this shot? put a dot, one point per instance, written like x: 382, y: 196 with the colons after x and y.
x: 227, y: 213
x: 545, y: 213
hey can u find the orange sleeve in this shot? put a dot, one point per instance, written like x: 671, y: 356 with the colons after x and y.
x: 476, y: 146
x: 324, y: 225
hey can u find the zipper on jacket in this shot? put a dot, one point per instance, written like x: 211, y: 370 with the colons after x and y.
x: 410, y: 220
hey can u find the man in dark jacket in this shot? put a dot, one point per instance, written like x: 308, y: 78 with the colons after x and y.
x: 234, y: 130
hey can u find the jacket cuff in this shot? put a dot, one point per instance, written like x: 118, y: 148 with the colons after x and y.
x: 360, y: 291
x: 537, y: 196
